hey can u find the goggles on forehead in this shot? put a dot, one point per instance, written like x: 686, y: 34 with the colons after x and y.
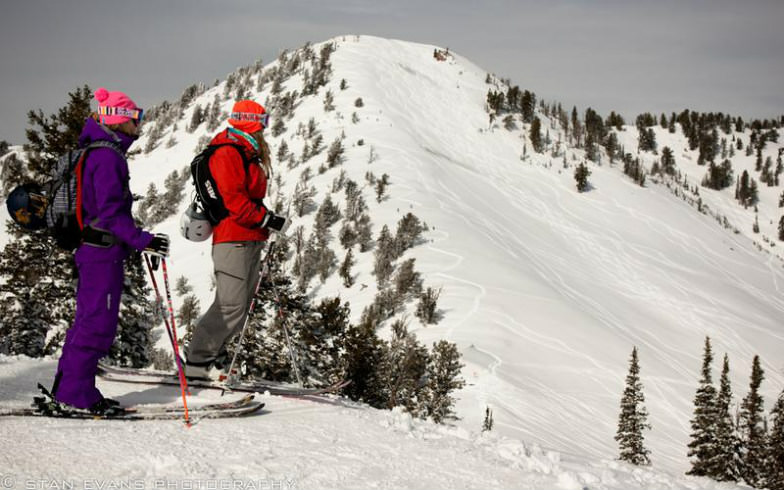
x: 251, y: 116
x: 135, y: 114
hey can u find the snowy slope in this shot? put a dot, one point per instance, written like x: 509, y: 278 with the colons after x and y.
x: 545, y: 290
x: 293, y: 443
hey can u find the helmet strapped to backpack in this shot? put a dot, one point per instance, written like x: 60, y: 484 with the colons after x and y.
x: 194, y: 224
x: 27, y: 205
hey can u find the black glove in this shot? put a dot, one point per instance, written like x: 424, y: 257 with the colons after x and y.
x: 159, y: 245
x: 273, y: 221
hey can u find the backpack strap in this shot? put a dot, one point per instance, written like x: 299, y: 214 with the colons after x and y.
x: 246, y: 161
x: 79, y: 170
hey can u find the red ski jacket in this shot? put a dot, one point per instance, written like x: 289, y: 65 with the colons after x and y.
x: 242, y: 192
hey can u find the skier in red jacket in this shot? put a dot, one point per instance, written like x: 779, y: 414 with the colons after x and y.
x: 239, y: 238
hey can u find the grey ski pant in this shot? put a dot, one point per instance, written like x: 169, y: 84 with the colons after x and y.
x: 236, y: 273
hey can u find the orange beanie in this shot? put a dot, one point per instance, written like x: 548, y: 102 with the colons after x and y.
x: 248, y: 116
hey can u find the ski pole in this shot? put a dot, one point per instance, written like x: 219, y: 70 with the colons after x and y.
x: 172, y: 333
x: 230, y: 378
x: 293, y: 356
x: 158, y: 298
x: 183, y: 381
x: 173, y: 340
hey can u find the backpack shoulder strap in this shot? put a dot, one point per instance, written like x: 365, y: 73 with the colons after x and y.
x: 79, y: 171
x: 246, y: 161
x: 104, y: 144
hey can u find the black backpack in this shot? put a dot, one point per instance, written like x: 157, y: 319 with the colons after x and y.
x: 207, y: 194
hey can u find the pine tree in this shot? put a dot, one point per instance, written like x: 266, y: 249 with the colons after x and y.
x: 196, y: 119
x: 13, y: 172
x: 528, y: 106
x: 321, y: 341
x: 427, y: 308
x: 362, y: 362
x: 409, y: 231
x: 329, y: 101
x: 726, y: 462
x: 781, y: 228
x: 667, y: 161
x: 443, y: 378
x: 535, y: 134
x: 752, y: 429
x: 381, y: 187
x: 51, y: 136
x: 385, y: 255
x: 633, y: 418
x: 37, y: 294
x: 487, y: 425
x: 702, y: 446
x: 189, y: 312
x: 404, y: 369
x: 214, y: 114
x: 774, y: 467
x: 365, y: 233
x: 407, y: 282
x: 335, y: 153
x: 581, y: 174
x: 182, y: 287
x: 345, y: 269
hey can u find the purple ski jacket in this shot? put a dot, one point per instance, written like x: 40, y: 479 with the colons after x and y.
x: 106, y: 196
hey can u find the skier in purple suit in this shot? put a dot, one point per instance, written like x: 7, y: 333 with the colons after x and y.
x: 109, y: 236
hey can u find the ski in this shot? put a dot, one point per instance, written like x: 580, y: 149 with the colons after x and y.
x: 43, y: 408
x: 141, y: 376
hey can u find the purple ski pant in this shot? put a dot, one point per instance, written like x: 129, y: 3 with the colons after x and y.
x: 92, y: 334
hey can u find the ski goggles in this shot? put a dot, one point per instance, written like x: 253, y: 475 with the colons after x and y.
x: 252, y: 117
x: 136, y: 114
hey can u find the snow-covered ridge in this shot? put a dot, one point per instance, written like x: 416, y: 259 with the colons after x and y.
x: 545, y: 290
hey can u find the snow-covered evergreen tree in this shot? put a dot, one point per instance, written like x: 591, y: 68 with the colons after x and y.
x: 37, y: 294
x: 361, y: 362
x: 404, y: 369
x: 752, y: 429
x: 633, y: 418
x: 726, y: 462
x: 385, y: 255
x: 581, y: 174
x: 487, y: 425
x: 427, y: 308
x: 345, y: 269
x: 409, y: 232
x: 702, y: 447
x: 443, y: 379
x: 774, y: 463
x: 322, y: 339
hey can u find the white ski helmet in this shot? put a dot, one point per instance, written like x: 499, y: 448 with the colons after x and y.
x: 194, y: 224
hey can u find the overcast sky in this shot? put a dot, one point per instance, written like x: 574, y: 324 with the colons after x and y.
x: 630, y: 56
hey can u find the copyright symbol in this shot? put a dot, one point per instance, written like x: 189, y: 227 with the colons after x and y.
x: 7, y: 481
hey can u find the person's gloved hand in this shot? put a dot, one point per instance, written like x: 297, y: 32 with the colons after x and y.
x: 159, y: 246
x: 273, y: 222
